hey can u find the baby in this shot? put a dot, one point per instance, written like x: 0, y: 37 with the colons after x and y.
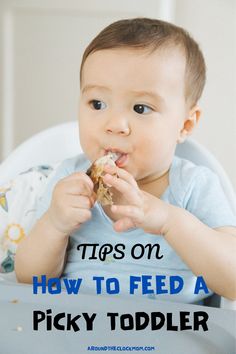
x: 141, y: 80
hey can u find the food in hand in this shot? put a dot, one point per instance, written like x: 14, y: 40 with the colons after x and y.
x: 96, y: 172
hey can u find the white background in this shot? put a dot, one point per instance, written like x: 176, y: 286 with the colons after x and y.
x: 42, y: 42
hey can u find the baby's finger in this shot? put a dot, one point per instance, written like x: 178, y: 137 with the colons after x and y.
x: 130, y: 193
x: 81, y: 215
x: 123, y: 225
x: 80, y: 176
x: 80, y: 202
x: 120, y: 172
x: 78, y: 187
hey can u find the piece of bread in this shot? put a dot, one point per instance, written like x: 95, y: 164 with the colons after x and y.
x: 96, y: 172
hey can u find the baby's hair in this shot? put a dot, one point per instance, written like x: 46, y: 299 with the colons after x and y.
x: 153, y: 34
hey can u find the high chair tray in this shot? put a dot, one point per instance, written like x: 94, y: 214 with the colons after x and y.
x: 18, y: 305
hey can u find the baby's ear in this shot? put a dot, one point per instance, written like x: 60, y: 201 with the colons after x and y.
x: 189, y: 124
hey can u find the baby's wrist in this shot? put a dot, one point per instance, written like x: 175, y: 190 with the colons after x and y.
x: 171, y: 214
x: 174, y: 216
x: 53, y: 229
x: 158, y: 217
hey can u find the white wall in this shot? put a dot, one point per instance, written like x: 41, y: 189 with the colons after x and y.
x: 41, y: 47
x: 213, y: 24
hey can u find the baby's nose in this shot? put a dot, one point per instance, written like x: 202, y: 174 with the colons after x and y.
x: 125, y: 131
x: 118, y: 125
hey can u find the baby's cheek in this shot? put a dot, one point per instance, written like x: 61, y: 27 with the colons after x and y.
x: 87, y: 140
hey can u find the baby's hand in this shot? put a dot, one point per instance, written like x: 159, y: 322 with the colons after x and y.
x: 141, y: 209
x: 72, y: 199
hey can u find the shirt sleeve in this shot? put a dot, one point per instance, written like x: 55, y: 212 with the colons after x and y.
x: 45, y: 200
x: 206, y: 200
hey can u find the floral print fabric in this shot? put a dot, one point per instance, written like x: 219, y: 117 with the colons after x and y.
x: 18, y: 200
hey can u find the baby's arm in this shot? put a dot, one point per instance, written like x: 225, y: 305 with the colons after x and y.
x: 207, y: 252
x: 44, y: 250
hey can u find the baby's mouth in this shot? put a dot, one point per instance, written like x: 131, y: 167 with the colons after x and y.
x: 117, y: 156
x: 113, y: 155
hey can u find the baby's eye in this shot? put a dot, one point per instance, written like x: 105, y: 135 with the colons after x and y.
x: 98, y: 105
x: 142, y: 109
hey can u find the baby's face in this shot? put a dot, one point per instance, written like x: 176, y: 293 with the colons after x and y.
x: 133, y: 102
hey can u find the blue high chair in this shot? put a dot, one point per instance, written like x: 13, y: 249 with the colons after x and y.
x: 62, y: 141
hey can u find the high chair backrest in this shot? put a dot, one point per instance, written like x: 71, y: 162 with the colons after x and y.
x: 47, y: 147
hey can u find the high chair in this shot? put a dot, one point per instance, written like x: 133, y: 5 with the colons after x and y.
x: 62, y: 141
